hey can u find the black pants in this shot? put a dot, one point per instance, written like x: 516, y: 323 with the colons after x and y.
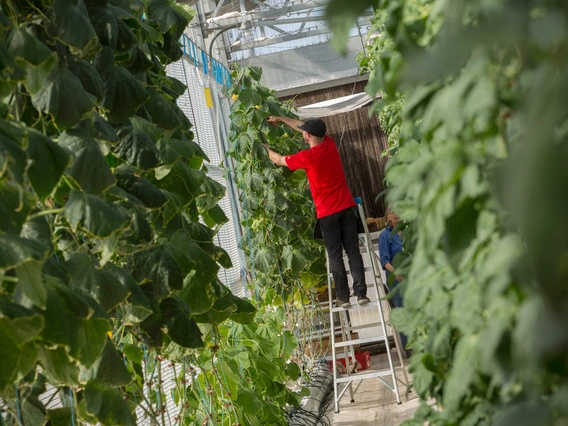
x: 339, y: 232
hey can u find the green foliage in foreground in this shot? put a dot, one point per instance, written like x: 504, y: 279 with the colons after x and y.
x: 107, y: 217
x: 480, y: 177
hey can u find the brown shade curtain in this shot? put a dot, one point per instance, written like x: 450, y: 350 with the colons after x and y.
x: 360, y: 141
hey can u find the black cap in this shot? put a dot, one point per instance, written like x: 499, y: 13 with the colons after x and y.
x: 314, y: 126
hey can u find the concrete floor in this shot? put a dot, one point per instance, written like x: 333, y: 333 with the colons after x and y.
x: 375, y: 404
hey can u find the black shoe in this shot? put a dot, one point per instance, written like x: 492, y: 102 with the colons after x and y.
x: 363, y: 300
x: 342, y: 304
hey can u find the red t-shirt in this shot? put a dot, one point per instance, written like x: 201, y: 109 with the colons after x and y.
x: 325, y: 175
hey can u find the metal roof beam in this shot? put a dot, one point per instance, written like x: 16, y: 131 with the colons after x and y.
x: 218, y: 8
x: 231, y: 20
x: 280, y: 39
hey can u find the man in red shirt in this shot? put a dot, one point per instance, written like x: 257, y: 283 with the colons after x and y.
x: 335, y: 206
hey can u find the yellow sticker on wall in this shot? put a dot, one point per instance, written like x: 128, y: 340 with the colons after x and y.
x: 208, y: 99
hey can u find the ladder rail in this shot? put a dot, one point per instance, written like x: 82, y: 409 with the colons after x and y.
x: 346, y: 328
x: 373, y: 265
x: 331, y: 323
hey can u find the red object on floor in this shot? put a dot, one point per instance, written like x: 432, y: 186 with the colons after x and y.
x: 364, y: 358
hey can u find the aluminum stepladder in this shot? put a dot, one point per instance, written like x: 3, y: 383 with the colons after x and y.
x: 347, y: 343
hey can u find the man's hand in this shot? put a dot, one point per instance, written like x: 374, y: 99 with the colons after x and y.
x: 274, y: 120
x: 276, y: 158
x: 398, y: 277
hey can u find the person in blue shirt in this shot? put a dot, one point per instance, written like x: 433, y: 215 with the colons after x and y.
x: 389, y: 246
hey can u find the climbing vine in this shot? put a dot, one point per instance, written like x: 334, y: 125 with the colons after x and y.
x: 278, y: 212
x: 108, y: 272
x: 478, y: 178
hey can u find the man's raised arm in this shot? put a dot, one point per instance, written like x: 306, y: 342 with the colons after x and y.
x: 276, y: 158
x: 286, y: 120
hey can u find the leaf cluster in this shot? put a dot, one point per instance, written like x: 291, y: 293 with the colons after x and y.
x: 477, y: 177
x: 107, y: 220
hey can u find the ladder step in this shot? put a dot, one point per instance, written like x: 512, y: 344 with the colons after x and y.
x: 363, y: 326
x: 359, y: 341
x: 356, y: 306
x: 363, y: 376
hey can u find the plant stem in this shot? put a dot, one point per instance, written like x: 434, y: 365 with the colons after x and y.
x: 162, y: 411
x: 46, y: 212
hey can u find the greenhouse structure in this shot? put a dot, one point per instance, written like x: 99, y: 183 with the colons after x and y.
x: 278, y: 212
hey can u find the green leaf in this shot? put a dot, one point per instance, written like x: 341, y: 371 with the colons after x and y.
x: 462, y: 373
x: 139, y: 187
x: 10, y: 71
x: 33, y: 411
x: 92, y: 338
x: 172, y: 149
x: 218, y: 216
x: 67, y: 324
x: 103, y: 130
x: 186, y: 263
x: 249, y: 98
x: 158, y: 266
x: 18, y: 327
x: 245, y: 312
x: 211, y: 193
x: 107, y: 20
x: 293, y: 259
x: 59, y: 368
x: 140, y: 231
x: 88, y: 76
x: 342, y: 17
x: 89, y: 166
x: 64, y: 309
x: 15, y: 251
x: 72, y: 26
x: 249, y: 401
x: 167, y: 17
x: 107, y: 405
x: 135, y: 7
x: 96, y: 215
x: 38, y: 229
x: 62, y: 95
x: 13, y: 159
x: 100, y: 283
x: 264, y: 260
x: 152, y: 131
x: 172, y: 86
x: 10, y: 352
x: 59, y: 417
x: 137, y: 308
x: 160, y: 111
x: 196, y: 295
x: 27, y: 49
x: 137, y: 61
x: 223, y: 308
x: 180, y: 327
x: 109, y: 369
x: 84, y: 415
x: 133, y: 353
x: 123, y: 93
x: 183, y: 181
x: 206, y: 268
x: 15, y: 206
x: 49, y: 163
x: 185, y: 10
x: 53, y: 269
x: 30, y: 282
x: 137, y: 149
